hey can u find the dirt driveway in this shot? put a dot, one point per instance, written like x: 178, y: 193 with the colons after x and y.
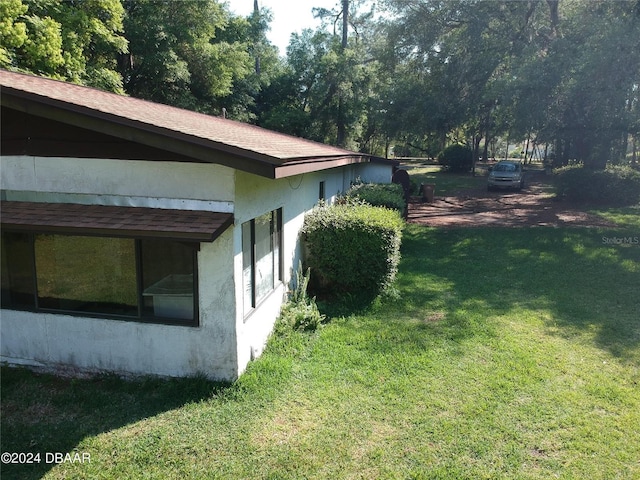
x: 534, y: 206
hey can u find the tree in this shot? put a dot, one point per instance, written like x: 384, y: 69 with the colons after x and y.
x: 178, y: 55
x: 74, y: 41
x: 555, y: 71
x: 245, y: 101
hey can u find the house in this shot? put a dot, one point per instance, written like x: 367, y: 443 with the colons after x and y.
x: 141, y: 238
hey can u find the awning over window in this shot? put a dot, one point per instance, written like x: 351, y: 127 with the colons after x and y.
x: 114, y: 221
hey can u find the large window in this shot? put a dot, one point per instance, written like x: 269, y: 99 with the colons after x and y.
x: 261, y: 257
x: 148, y: 280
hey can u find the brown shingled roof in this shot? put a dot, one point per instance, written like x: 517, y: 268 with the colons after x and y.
x: 114, y: 221
x: 195, y: 135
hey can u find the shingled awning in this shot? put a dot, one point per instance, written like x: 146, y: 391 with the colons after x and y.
x: 114, y: 221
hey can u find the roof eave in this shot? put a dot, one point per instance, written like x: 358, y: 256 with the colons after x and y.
x: 121, y: 127
x: 307, y: 165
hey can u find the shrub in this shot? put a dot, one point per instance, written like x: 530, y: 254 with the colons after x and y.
x: 353, y: 247
x: 456, y: 158
x: 301, y: 311
x: 616, y: 185
x: 388, y: 195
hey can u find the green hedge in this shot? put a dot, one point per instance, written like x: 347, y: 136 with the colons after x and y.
x: 353, y: 247
x: 616, y: 185
x: 388, y: 195
x: 456, y: 158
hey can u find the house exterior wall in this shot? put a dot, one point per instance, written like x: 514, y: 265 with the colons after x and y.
x: 95, y: 344
x: 375, y: 172
x: 296, y: 195
x: 227, y: 337
x: 55, y: 340
x: 118, y: 182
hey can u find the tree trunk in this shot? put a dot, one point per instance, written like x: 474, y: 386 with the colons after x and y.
x: 345, y: 23
x: 256, y: 10
x: 341, y: 127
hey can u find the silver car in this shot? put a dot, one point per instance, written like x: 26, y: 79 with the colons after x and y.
x: 506, y: 174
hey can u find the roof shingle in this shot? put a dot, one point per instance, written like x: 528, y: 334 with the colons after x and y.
x: 114, y: 221
x: 278, y: 147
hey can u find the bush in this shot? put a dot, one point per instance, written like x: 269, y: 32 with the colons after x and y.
x: 615, y: 186
x: 353, y: 247
x: 456, y: 158
x: 301, y: 311
x: 388, y: 195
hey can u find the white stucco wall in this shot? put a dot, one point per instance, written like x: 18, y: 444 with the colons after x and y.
x: 374, y: 172
x: 118, y: 182
x: 227, y: 337
x: 126, y: 346
x: 296, y: 195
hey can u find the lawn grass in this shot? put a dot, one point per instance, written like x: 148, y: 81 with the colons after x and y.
x: 508, y: 354
x: 446, y: 183
x: 629, y: 217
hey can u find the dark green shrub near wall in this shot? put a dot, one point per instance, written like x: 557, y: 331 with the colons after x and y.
x: 616, y: 185
x: 456, y: 158
x: 353, y: 247
x: 388, y: 195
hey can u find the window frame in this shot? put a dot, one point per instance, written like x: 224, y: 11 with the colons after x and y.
x: 140, y: 316
x: 276, y: 251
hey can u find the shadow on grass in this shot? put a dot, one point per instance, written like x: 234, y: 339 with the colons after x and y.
x: 584, y: 283
x: 43, y: 413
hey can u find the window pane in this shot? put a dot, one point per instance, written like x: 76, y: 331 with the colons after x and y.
x: 277, y: 243
x: 264, y: 255
x: 86, y: 274
x: 247, y: 266
x: 168, y: 279
x: 17, y: 270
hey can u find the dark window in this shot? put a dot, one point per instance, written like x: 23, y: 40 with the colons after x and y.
x: 168, y: 279
x: 321, y: 193
x: 18, y: 284
x: 261, y: 256
x: 86, y: 274
x: 150, y: 280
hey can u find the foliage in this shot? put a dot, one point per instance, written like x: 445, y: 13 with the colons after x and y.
x: 616, y: 185
x: 74, y: 41
x: 301, y: 311
x: 558, y: 72
x: 330, y: 92
x: 176, y: 55
x: 353, y: 247
x: 423, y: 75
x: 456, y: 158
x: 387, y: 195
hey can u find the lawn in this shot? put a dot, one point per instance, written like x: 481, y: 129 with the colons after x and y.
x: 446, y: 183
x: 507, y: 354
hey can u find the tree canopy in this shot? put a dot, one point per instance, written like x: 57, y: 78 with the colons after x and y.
x: 415, y: 75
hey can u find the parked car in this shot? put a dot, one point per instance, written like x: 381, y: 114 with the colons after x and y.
x: 506, y: 174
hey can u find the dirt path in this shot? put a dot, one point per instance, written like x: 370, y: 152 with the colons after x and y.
x: 534, y: 206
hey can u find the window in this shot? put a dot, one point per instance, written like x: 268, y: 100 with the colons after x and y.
x: 149, y: 280
x: 321, y: 193
x: 261, y: 257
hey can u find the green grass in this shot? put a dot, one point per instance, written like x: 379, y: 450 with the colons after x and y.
x: 629, y: 217
x: 508, y: 354
x: 446, y: 183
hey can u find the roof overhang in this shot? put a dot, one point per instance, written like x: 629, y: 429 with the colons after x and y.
x: 114, y: 221
x: 115, y: 116
x: 312, y: 165
x: 194, y: 148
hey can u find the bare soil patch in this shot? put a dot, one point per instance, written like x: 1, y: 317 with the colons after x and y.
x: 533, y: 206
